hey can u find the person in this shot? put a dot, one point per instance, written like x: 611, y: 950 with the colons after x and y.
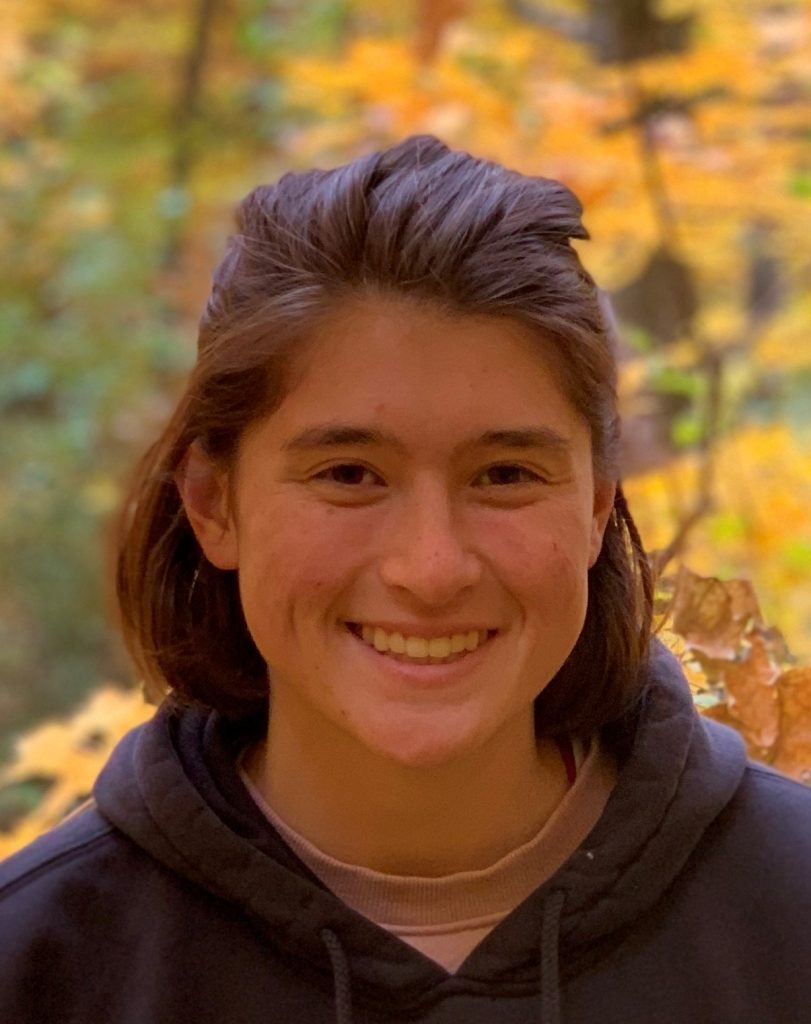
x: 418, y: 758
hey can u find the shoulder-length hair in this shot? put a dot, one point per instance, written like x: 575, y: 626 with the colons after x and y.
x: 414, y: 220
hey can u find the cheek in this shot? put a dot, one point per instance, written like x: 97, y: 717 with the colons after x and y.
x: 551, y: 580
x: 295, y: 557
x: 540, y: 557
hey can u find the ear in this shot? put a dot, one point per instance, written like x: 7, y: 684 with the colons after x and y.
x: 604, y: 493
x: 204, y: 493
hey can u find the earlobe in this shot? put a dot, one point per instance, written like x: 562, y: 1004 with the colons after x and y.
x: 204, y: 492
x: 604, y: 494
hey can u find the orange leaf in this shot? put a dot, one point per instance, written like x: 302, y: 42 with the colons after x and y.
x: 753, y: 699
x: 721, y: 713
x: 713, y: 615
x: 793, y: 754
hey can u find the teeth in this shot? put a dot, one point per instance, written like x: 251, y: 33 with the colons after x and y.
x: 437, y: 648
x: 416, y: 647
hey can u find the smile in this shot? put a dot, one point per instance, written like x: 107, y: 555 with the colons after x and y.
x: 418, y: 649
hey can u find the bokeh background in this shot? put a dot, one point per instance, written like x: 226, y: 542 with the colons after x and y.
x: 129, y: 131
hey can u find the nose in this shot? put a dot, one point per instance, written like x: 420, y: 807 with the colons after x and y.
x: 425, y: 552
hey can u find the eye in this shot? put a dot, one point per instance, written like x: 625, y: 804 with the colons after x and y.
x: 349, y: 474
x: 505, y: 474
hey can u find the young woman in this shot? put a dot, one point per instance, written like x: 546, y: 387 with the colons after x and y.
x: 417, y: 760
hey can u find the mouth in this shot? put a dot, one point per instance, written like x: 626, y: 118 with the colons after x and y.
x: 420, y: 650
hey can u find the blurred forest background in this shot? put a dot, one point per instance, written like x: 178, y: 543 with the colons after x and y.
x: 129, y: 131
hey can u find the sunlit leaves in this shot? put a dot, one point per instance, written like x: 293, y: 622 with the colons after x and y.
x: 759, y: 526
x: 739, y: 667
x: 59, y: 762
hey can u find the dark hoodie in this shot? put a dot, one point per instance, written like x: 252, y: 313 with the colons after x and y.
x: 171, y: 899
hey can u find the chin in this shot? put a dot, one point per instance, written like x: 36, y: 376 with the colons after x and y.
x: 415, y: 745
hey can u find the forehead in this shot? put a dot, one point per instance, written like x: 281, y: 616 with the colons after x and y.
x: 373, y: 328
x: 407, y: 369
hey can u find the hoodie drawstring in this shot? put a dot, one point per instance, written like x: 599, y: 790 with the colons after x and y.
x: 550, y: 979
x: 340, y: 976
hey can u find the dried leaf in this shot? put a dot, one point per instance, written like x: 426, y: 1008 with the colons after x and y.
x: 721, y: 713
x: 713, y: 615
x: 753, y: 699
x: 793, y: 752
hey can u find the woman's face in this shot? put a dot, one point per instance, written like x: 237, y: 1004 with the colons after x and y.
x: 413, y: 528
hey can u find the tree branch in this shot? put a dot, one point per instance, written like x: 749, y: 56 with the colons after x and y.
x: 186, y: 114
x: 569, y: 25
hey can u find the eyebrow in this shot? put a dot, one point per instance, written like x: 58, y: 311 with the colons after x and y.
x: 525, y: 437
x: 335, y: 435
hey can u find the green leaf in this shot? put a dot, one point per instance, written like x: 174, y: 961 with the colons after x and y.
x: 727, y: 526
x: 797, y: 553
x: 674, y: 381
x: 687, y: 431
x: 800, y: 184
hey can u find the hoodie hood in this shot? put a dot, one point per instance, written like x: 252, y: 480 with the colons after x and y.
x: 172, y: 787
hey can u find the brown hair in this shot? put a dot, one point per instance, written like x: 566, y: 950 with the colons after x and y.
x: 418, y: 220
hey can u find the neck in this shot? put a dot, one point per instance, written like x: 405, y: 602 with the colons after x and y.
x: 366, y: 809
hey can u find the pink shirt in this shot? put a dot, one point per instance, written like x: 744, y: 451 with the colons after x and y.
x: 445, y: 918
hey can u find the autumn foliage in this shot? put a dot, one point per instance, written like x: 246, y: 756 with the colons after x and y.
x: 739, y: 668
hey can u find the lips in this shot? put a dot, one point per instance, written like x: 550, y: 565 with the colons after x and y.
x: 405, y: 646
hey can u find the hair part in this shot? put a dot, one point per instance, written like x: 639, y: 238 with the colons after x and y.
x: 417, y: 220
